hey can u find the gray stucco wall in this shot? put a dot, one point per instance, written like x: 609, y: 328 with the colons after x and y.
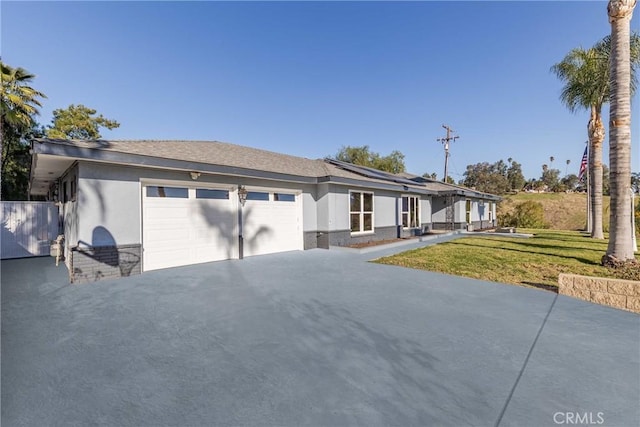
x: 70, y: 215
x: 109, y: 200
x: 425, y: 210
x: 323, y: 206
x: 385, y: 205
x: 460, y: 214
x: 438, y: 209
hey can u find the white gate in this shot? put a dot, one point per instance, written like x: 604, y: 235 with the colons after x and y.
x: 27, y: 228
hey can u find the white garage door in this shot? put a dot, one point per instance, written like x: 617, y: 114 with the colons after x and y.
x: 272, y: 222
x: 184, y: 226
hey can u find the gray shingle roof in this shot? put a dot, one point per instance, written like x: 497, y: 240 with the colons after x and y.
x: 238, y: 156
x: 210, y: 152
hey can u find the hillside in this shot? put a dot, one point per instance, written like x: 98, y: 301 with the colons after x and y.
x: 563, y: 211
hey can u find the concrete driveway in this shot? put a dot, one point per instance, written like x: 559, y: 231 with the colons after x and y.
x: 318, y: 338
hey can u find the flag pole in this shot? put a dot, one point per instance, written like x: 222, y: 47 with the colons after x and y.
x: 589, y: 218
x: 634, y: 242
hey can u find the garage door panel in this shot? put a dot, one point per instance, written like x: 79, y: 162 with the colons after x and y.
x: 271, y: 227
x: 187, y: 231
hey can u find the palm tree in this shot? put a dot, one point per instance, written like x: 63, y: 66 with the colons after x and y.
x: 18, y: 105
x: 624, y: 61
x: 18, y: 100
x: 585, y: 73
x: 567, y: 167
x: 551, y: 159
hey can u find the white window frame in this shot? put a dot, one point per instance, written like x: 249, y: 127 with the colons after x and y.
x: 418, y: 223
x: 362, y: 212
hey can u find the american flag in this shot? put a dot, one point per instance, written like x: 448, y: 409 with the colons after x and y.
x: 583, y: 164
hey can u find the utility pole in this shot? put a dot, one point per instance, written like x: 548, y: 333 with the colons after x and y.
x: 445, y: 141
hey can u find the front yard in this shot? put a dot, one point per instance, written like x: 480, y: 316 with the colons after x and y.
x: 535, y: 261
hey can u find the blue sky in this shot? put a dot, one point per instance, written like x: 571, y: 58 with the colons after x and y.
x: 306, y: 78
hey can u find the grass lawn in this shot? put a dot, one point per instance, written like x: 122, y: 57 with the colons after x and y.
x: 536, y: 261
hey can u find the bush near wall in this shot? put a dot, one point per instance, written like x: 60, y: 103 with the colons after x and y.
x: 527, y: 214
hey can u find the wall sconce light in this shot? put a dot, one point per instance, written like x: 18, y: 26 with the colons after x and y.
x: 194, y: 175
x: 242, y: 194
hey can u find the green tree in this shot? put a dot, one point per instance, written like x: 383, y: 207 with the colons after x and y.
x: 393, y: 162
x: 514, y: 175
x: 78, y: 122
x: 363, y: 156
x: 585, y: 73
x: 16, y: 165
x: 19, y: 103
x: 428, y: 175
x: 570, y: 182
x: 488, y: 178
x: 550, y: 177
x: 624, y: 59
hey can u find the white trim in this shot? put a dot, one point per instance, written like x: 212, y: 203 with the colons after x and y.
x: 418, y: 218
x: 362, y: 212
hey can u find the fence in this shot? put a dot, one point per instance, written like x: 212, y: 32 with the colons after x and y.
x: 27, y: 228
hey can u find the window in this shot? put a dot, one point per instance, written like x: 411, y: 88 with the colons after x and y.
x: 169, y: 192
x: 410, y: 211
x: 361, y: 211
x: 468, y: 212
x: 490, y: 211
x: 256, y: 195
x: 282, y: 197
x: 202, y: 193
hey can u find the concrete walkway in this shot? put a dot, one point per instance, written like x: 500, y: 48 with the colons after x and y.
x: 319, y: 338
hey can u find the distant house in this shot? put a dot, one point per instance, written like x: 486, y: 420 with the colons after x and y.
x: 134, y: 206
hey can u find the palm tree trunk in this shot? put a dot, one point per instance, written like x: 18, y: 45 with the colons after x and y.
x: 620, y: 238
x: 596, y: 137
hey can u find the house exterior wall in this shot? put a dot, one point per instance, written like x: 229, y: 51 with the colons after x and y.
x: 425, y: 210
x: 110, y: 196
x: 333, y: 213
x: 69, y: 208
x: 108, y: 239
x: 438, y: 209
x: 385, y: 205
x: 480, y: 214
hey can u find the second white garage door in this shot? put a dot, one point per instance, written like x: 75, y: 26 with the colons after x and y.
x: 272, y: 222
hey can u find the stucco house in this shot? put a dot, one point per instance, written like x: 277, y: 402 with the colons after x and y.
x: 134, y: 206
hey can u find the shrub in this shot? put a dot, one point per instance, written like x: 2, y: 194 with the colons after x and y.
x: 527, y: 214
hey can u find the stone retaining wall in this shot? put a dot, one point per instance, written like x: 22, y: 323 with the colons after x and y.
x: 623, y: 294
